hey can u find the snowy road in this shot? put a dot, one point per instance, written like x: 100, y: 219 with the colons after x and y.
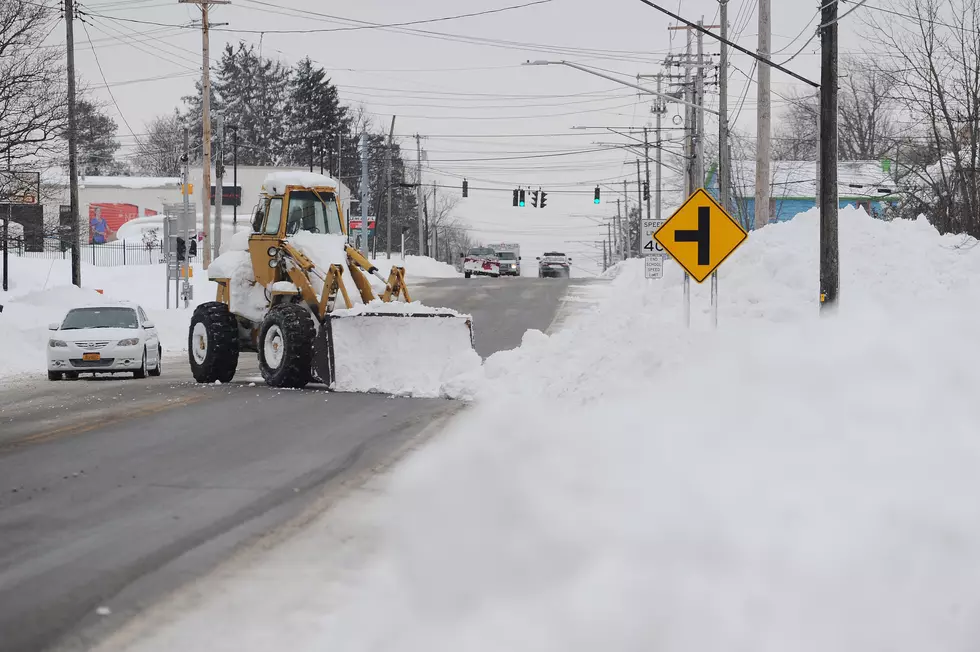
x: 124, y: 490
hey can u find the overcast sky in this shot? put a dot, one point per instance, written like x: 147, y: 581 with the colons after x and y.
x: 459, y: 84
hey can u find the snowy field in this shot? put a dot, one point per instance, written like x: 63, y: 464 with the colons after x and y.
x: 785, y: 483
x: 41, y: 292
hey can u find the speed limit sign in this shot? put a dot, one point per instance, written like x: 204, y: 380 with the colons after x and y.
x: 650, y: 246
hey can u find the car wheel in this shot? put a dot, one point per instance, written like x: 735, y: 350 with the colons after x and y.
x: 286, y: 346
x: 213, y: 343
x: 54, y: 375
x: 467, y: 274
x: 157, y: 370
x: 141, y: 372
x: 71, y: 375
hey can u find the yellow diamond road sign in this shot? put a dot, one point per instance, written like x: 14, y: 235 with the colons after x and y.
x: 700, y: 235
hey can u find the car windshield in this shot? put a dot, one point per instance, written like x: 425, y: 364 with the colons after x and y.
x: 506, y: 255
x: 315, y: 212
x: 481, y: 251
x: 554, y: 253
x: 100, y: 318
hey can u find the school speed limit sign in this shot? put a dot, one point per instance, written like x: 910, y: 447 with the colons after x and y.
x: 650, y: 246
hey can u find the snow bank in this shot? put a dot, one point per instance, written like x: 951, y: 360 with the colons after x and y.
x: 417, y: 267
x: 784, y: 483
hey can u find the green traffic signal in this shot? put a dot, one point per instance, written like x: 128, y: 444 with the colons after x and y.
x: 596, y: 200
x: 521, y: 203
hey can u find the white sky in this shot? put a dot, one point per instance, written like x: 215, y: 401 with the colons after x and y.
x: 469, y: 100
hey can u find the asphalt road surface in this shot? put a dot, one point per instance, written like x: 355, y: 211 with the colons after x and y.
x: 114, y: 492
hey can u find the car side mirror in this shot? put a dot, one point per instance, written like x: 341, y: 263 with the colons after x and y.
x: 538, y: 258
x: 518, y: 258
x: 148, y: 324
x: 53, y: 326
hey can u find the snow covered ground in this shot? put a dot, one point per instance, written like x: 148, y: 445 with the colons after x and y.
x: 784, y: 483
x: 41, y: 292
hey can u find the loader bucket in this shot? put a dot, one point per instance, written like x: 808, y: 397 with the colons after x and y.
x: 425, y: 354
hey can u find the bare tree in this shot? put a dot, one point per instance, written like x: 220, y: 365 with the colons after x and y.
x: 159, y: 152
x: 867, y: 111
x: 33, y: 95
x: 935, y: 74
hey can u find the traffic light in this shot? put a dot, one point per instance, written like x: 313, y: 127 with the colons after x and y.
x: 521, y: 203
x: 544, y: 198
x: 534, y: 198
x: 516, y: 194
x: 596, y: 200
x: 466, y: 188
x: 646, y: 191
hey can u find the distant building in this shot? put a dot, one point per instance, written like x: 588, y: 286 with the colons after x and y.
x: 865, y: 184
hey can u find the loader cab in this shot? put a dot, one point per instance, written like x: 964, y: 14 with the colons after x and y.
x: 276, y: 217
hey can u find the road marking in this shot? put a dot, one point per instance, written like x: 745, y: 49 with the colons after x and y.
x: 77, y: 429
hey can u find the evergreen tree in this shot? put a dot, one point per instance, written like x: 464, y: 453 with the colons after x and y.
x: 193, y: 116
x: 315, y: 115
x: 97, y: 143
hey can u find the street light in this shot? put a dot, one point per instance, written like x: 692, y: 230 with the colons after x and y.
x: 618, y: 81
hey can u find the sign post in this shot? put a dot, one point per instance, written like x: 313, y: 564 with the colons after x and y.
x: 700, y: 236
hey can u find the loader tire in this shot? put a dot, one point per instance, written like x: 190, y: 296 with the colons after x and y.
x: 286, y: 346
x: 212, y: 343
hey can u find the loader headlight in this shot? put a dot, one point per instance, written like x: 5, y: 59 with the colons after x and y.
x: 273, y: 251
x: 273, y: 263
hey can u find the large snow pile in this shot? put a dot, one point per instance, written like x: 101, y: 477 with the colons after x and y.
x: 784, y: 483
x: 41, y: 293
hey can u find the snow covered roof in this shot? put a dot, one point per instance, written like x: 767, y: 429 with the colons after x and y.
x: 799, y: 179
x: 276, y: 182
x: 57, y: 177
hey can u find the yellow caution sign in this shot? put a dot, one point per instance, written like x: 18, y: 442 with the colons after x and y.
x: 700, y: 235
x: 187, y: 190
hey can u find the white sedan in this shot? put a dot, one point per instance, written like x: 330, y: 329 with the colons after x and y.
x: 104, y: 339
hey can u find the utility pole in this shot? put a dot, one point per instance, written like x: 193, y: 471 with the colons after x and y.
x: 829, y: 202
x: 625, y: 225
x: 418, y: 194
x: 219, y: 190
x: 724, y: 172
x: 660, y: 144
x: 234, y: 181
x: 189, y: 217
x: 206, y: 119
x: 646, y: 158
x: 619, y: 229
x: 390, y: 164
x: 76, y: 245
x: 699, y: 100
x: 434, y: 221
x: 764, y: 127
x: 639, y: 206
x: 609, y: 240
x: 365, y: 196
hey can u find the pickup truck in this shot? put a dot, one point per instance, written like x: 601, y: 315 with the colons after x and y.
x: 554, y: 264
x: 481, y: 261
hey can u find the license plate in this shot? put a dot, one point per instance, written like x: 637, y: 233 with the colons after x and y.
x: 91, y: 357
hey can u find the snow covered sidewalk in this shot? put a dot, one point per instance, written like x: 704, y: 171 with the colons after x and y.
x: 785, y: 483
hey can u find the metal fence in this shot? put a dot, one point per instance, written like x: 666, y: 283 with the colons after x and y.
x: 111, y: 254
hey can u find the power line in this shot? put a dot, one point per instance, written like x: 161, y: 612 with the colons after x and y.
x: 108, y: 90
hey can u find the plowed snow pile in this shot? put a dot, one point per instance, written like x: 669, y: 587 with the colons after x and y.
x: 787, y: 483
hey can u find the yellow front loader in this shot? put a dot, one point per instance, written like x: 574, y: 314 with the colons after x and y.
x: 287, y: 297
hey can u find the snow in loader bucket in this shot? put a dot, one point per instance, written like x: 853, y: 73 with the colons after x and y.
x: 422, y: 352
